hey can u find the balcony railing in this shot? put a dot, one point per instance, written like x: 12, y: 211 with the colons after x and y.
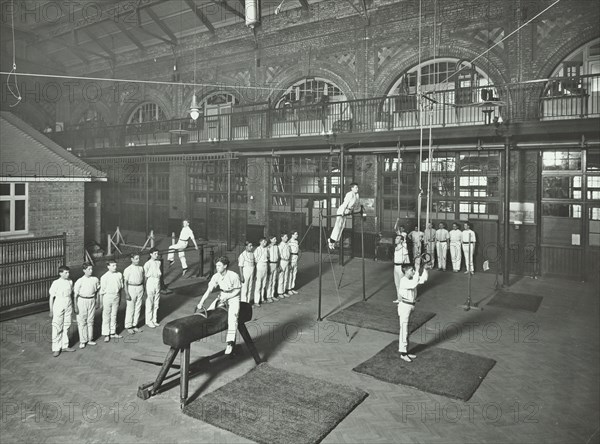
x: 560, y: 98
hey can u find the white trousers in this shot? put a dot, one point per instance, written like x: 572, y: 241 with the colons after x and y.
x: 110, y: 307
x: 262, y: 273
x: 293, y: 272
x: 416, y: 250
x: 62, y: 310
x: 442, y: 254
x: 404, y: 311
x: 282, y: 279
x: 469, y: 250
x: 272, y: 281
x: 398, y: 274
x: 134, y: 307
x: 233, y: 312
x: 85, y: 319
x: 338, y: 228
x: 180, y: 245
x: 248, y: 273
x: 152, y: 299
x: 455, y: 255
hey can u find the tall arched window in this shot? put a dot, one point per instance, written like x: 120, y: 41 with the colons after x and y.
x: 147, y: 112
x: 311, y: 90
x: 455, y: 92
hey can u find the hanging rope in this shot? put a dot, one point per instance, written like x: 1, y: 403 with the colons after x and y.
x: 13, y: 72
x: 420, y: 99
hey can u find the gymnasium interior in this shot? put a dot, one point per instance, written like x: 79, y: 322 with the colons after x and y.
x: 124, y: 124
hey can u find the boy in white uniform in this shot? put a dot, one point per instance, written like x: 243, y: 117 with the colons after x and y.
x: 61, y: 310
x: 468, y: 245
x: 111, y: 284
x: 230, y: 285
x: 284, y: 261
x: 152, y: 273
x: 273, y: 269
x: 442, y: 237
x: 455, y: 247
x: 401, y: 259
x: 86, y: 292
x: 246, y: 264
x: 416, y: 236
x: 184, y: 237
x: 261, y: 256
x: 351, y: 201
x: 429, y: 239
x: 295, y: 253
x: 133, y: 277
x: 407, y: 295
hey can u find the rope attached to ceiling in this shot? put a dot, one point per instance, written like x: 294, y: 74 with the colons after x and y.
x: 13, y: 72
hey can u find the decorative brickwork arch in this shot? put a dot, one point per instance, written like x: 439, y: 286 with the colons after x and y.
x: 290, y: 76
x: 147, y: 95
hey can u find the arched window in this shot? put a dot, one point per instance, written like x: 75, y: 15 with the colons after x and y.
x: 311, y: 90
x: 574, y: 90
x: 147, y: 112
x: 220, y: 98
x: 440, y: 75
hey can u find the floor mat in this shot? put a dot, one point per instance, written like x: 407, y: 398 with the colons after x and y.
x: 434, y: 370
x: 516, y: 301
x: 380, y: 317
x: 271, y: 405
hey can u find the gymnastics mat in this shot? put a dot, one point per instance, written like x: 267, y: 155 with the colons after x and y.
x: 380, y: 317
x: 435, y: 370
x: 271, y: 405
x: 516, y: 301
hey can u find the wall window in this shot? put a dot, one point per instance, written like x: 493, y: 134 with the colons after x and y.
x: 561, y: 210
x: 561, y: 160
x: 311, y: 90
x: 147, y: 112
x: 561, y: 187
x: 14, y: 208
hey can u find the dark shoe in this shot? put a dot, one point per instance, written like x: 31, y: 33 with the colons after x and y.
x: 56, y: 354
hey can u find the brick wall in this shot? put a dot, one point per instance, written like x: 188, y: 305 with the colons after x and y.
x: 57, y: 207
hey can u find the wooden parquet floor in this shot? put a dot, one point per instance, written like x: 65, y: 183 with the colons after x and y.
x: 545, y: 387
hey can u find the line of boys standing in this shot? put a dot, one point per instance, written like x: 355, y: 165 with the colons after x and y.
x: 268, y: 272
x: 437, y: 243
x: 90, y: 292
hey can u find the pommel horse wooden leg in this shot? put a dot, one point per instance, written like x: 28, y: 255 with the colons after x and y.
x: 185, y: 376
x: 249, y: 343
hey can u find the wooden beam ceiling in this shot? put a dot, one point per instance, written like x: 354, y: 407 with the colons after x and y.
x: 194, y: 7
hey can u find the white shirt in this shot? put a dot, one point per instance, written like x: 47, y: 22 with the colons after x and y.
x: 261, y: 255
x: 87, y: 286
x: 468, y: 236
x: 246, y: 259
x: 229, y: 283
x: 111, y: 283
x: 186, y: 234
x: 456, y: 236
x: 429, y: 235
x: 442, y: 235
x: 61, y: 288
x: 273, y: 254
x: 416, y: 236
x: 134, y: 275
x: 350, y: 201
x: 284, y: 251
x: 401, y: 254
x: 152, y: 269
x: 407, y: 289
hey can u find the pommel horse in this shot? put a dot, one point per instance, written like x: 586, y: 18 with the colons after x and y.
x: 180, y: 333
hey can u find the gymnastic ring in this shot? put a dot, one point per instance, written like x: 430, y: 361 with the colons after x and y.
x: 426, y: 258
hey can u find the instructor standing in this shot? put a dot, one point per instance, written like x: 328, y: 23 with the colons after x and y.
x: 184, y: 237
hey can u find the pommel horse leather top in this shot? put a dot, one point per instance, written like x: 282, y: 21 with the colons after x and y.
x: 180, y: 333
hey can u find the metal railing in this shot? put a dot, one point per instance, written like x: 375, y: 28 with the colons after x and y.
x: 28, y: 267
x: 558, y: 98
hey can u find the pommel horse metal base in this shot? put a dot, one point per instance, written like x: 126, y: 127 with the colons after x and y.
x: 180, y: 333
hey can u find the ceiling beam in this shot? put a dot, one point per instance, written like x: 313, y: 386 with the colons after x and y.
x: 76, y: 49
x: 205, y: 21
x: 304, y: 3
x: 156, y: 36
x: 223, y: 4
x: 98, y: 42
x: 122, y: 12
x: 161, y: 25
x: 130, y: 36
